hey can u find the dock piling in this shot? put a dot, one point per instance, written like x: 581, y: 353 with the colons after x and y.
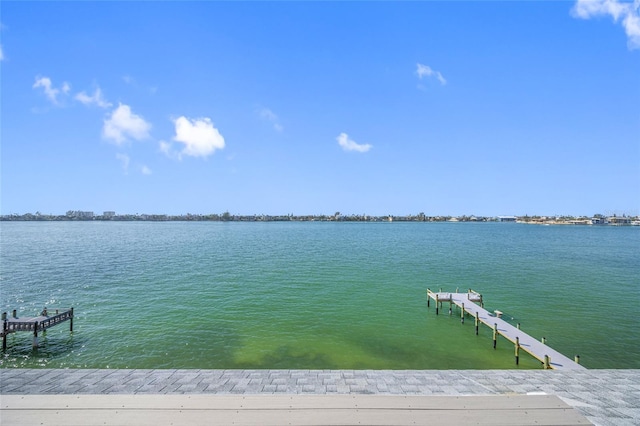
x: 35, y: 335
x: 577, y: 359
x: 495, y: 334
x: 517, y: 350
x: 477, y: 322
x: 462, y: 314
x: 547, y: 362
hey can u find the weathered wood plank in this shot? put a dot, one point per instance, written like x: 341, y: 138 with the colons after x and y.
x: 276, y: 410
x: 470, y: 402
x: 142, y: 417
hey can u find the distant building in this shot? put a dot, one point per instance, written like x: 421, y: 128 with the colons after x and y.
x: 619, y: 220
x: 506, y: 218
x: 108, y: 215
x: 80, y: 215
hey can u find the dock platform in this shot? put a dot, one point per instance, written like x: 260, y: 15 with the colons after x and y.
x: 34, y: 325
x: 471, y: 303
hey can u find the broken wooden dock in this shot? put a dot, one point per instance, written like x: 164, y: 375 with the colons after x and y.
x: 34, y: 325
x: 471, y: 303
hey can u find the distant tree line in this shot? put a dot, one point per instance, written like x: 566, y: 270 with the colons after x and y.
x: 336, y: 217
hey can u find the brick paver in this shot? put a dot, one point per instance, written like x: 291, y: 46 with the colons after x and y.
x: 605, y: 397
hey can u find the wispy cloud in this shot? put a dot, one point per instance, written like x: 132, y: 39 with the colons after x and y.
x: 124, y: 160
x: 95, y: 99
x: 50, y: 91
x: 199, y: 137
x: 627, y: 13
x: 268, y: 115
x: 350, y: 145
x: 425, y: 71
x: 123, y: 124
x: 165, y: 148
x: 1, y: 53
x: 145, y: 170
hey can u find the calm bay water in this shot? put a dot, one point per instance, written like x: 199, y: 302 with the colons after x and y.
x: 316, y: 294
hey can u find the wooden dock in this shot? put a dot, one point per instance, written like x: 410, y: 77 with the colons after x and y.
x: 34, y: 325
x: 472, y: 304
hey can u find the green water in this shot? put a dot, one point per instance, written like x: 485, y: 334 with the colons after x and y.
x: 316, y: 295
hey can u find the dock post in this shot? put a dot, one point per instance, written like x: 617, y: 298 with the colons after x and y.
x: 428, y: 298
x: 15, y: 313
x: 544, y: 340
x: 477, y: 322
x: 71, y: 321
x: 547, y: 362
x: 495, y: 334
x: 517, y: 350
x: 577, y: 359
x: 450, y: 305
x: 437, y: 303
x: 35, y: 335
x: 462, y: 314
x: 4, y: 331
x: 518, y: 326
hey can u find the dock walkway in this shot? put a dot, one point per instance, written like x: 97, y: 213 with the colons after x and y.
x: 543, y: 353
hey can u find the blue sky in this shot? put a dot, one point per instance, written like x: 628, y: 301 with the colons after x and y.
x: 446, y: 108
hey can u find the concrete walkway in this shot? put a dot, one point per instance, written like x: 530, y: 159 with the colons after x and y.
x: 605, y: 397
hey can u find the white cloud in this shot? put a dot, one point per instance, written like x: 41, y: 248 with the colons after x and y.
x: 199, y: 136
x: 627, y: 13
x: 123, y: 124
x: 426, y: 71
x: 350, y: 145
x: 145, y: 170
x: 95, y: 99
x: 1, y: 53
x: 50, y: 91
x: 125, y: 160
x: 268, y: 115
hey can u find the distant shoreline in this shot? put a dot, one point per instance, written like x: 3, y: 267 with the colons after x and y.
x: 71, y: 216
